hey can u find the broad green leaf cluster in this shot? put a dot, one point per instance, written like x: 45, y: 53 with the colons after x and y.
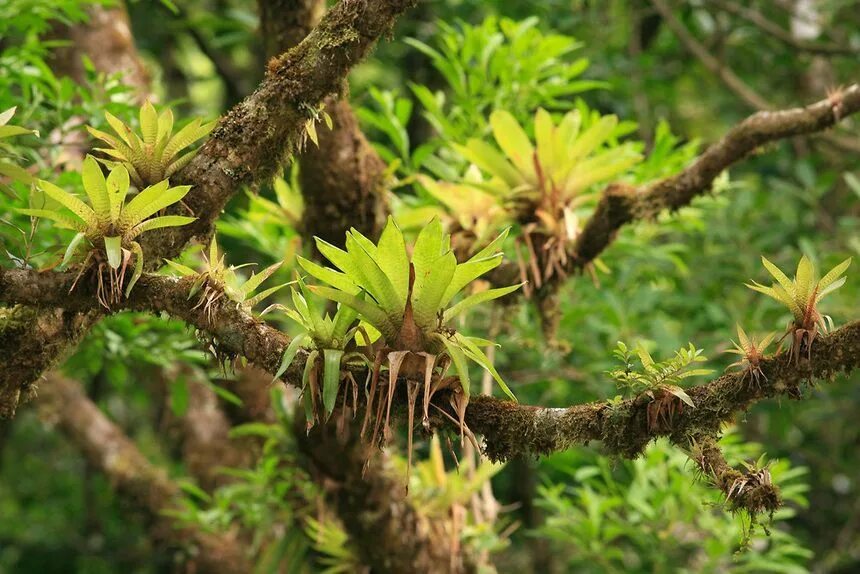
x: 271, y: 227
x: 153, y: 155
x: 554, y: 173
x: 801, y: 295
x: 499, y: 63
x: 614, y: 516
x: 111, y: 223
x: 408, y: 298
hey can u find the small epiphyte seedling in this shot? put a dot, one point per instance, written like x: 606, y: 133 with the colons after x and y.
x: 752, y: 353
x: 327, y: 338
x: 801, y: 296
x: 153, y: 155
x: 216, y: 281
x: 9, y: 170
x: 110, y: 224
x: 543, y: 185
x: 757, y: 480
x: 406, y: 298
x: 658, y: 381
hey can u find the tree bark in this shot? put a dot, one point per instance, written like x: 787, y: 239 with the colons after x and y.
x: 388, y: 533
x: 342, y: 179
x: 105, y: 447
x: 105, y: 39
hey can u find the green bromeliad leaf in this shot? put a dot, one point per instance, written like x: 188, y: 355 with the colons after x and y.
x: 108, y: 222
x: 802, y: 293
x: 406, y: 297
x: 154, y: 155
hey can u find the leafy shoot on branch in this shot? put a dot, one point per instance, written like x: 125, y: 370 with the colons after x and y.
x: 658, y: 381
x: 801, y: 295
x: 752, y: 353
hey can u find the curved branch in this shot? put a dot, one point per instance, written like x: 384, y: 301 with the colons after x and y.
x: 509, y: 429
x: 108, y: 449
x: 621, y: 204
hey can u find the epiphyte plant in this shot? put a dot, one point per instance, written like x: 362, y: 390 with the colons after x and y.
x: 109, y: 223
x: 658, y: 381
x: 216, y: 280
x: 153, y: 155
x: 752, y: 353
x: 407, y: 298
x: 327, y: 339
x: 544, y: 183
x: 801, y: 295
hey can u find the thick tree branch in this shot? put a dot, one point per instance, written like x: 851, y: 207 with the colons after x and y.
x: 509, y: 429
x: 342, y: 178
x: 105, y: 446
x: 389, y: 534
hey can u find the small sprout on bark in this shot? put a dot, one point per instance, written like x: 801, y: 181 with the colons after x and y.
x: 315, y: 114
x: 153, y: 155
x: 752, y: 353
x: 658, y: 381
x: 109, y: 223
x: 216, y: 280
x: 801, y: 295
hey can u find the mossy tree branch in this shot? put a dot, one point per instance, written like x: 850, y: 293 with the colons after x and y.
x: 342, y: 178
x: 509, y: 429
